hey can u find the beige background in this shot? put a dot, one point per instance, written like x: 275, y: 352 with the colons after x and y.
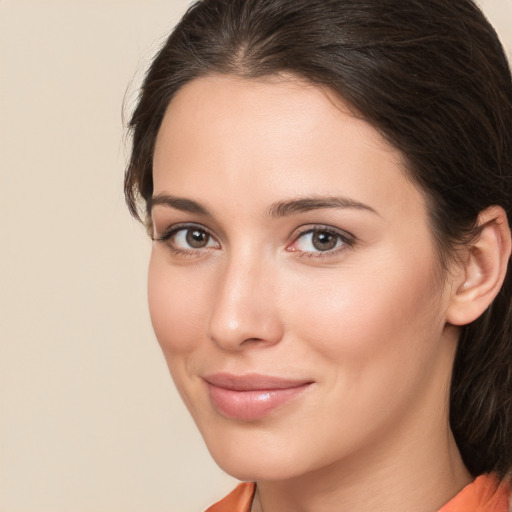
x: 89, y: 419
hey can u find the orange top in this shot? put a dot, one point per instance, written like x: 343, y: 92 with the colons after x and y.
x: 485, y: 494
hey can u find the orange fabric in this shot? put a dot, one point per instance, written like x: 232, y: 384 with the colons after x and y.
x: 238, y: 500
x: 485, y: 494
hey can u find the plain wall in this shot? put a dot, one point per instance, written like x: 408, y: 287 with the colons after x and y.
x: 89, y: 418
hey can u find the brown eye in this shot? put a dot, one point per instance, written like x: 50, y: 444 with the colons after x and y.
x: 321, y: 240
x: 197, y: 238
x: 324, y: 241
x: 189, y: 239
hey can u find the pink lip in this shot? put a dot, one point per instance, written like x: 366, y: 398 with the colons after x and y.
x: 250, y: 397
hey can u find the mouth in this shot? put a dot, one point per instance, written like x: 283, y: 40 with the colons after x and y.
x: 251, y: 397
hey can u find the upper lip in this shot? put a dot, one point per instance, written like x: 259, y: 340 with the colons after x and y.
x: 252, y: 381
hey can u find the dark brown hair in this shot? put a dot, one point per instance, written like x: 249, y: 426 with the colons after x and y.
x: 432, y: 77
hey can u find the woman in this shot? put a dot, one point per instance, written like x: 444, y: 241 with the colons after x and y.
x: 328, y: 187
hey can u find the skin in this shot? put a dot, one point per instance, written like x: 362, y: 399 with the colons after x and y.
x: 365, y: 322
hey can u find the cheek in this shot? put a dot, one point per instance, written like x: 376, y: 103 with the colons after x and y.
x: 370, y: 314
x: 376, y: 340
x: 178, y: 302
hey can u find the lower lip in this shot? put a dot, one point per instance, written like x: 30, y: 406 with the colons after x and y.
x: 254, y: 404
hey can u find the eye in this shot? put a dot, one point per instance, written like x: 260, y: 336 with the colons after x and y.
x: 192, y: 238
x: 187, y: 239
x: 320, y: 240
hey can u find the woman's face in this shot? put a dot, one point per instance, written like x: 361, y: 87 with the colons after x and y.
x: 293, y: 283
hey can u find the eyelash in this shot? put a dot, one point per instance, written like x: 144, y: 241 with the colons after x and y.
x: 347, y: 240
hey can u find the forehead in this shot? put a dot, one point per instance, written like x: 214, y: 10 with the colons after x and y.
x: 249, y: 140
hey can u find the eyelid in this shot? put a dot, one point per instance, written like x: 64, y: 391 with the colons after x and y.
x: 311, y: 228
x: 174, y: 228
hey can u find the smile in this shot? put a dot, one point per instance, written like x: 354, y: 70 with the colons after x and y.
x: 251, y: 397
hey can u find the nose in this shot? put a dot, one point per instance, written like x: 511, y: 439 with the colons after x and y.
x: 244, y: 312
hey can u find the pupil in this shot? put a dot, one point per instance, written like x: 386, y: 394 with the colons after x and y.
x: 197, y: 238
x: 323, y: 241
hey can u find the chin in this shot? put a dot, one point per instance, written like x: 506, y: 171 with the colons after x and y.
x: 258, y: 455
x: 247, y: 470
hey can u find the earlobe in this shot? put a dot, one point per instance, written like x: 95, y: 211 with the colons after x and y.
x: 481, y: 275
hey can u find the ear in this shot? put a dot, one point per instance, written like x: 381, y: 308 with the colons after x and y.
x: 479, y: 277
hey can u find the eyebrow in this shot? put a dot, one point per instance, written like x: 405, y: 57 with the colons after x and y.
x: 178, y: 203
x: 278, y: 209
x: 284, y: 208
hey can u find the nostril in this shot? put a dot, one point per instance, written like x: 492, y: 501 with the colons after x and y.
x: 252, y: 341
